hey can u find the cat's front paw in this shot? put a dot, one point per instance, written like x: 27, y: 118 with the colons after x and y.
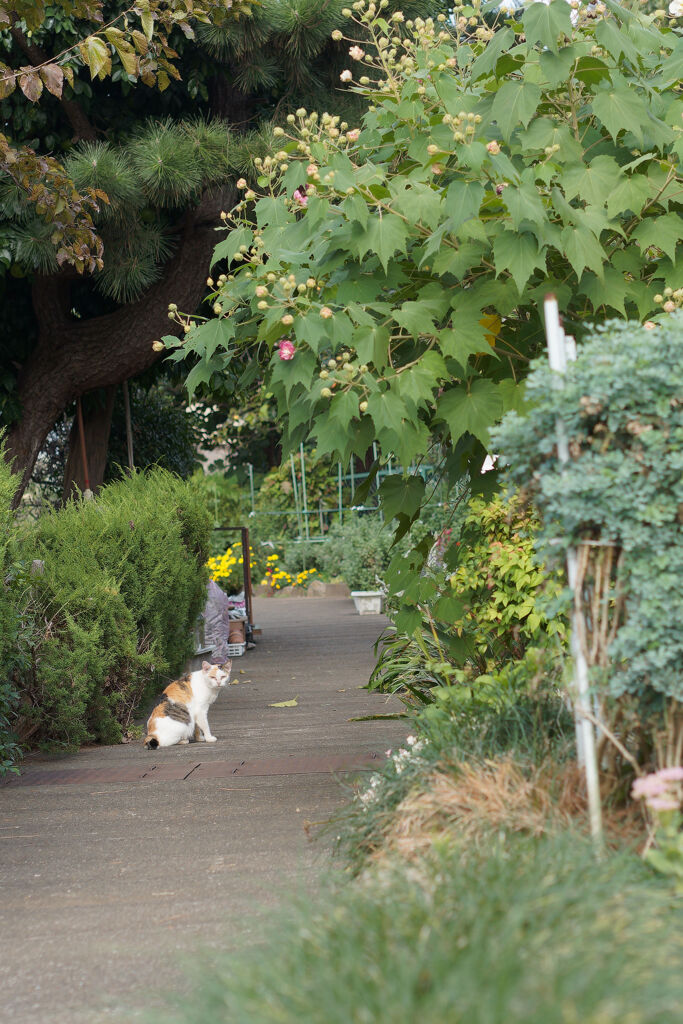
x: 210, y: 739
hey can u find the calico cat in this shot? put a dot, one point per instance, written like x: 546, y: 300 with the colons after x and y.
x: 181, y: 713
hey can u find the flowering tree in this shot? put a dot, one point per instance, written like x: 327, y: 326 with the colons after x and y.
x: 385, y: 279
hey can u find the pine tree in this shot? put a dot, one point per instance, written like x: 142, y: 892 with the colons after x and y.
x: 166, y: 162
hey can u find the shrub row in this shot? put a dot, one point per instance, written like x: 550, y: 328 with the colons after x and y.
x: 113, y: 609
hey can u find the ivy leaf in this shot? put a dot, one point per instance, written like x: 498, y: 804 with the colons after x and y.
x: 543, y: 24
x: 515, y: 103
x: 519, y: 254
x: 472, y: 409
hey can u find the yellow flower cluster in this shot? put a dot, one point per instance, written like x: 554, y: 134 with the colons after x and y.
x: 277, y: 578
x: 224, y: 568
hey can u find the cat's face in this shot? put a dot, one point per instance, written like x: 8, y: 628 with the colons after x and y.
x: 217, y: 675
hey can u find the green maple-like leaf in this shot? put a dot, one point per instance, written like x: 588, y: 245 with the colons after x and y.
x: 518, y: 253
x: 621, y: 109
x: 471, y: 409
x: 515, y: 103
x: 545, y: 24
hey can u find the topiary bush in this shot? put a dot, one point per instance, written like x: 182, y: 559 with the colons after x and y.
x: 619, y: 501
x: 123, y: 583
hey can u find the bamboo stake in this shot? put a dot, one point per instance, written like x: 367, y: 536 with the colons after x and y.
x: 557, y: 356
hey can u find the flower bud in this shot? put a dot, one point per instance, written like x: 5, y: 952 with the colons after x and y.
x: 326, y: 393
x: 287, y: 319
x: 158, y: 346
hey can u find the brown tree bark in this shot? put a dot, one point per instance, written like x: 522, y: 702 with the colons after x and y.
x: 73, y: 357
x: 96, y: 429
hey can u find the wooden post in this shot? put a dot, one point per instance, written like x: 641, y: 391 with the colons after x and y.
x: 129, y: 427
x: 87, y: 493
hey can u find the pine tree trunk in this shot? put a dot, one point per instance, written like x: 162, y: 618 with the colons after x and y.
x: 73, y: 357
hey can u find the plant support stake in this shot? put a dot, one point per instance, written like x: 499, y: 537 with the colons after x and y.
x: 560, y: 349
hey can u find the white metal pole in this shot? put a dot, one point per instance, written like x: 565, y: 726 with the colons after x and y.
x: 303, y: 489
x: 558, y: 347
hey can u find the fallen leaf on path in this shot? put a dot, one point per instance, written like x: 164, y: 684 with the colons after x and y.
x: 286, y: 703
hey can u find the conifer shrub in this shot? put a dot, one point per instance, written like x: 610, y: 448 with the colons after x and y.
x: 618, y: 500
x: 10, y: 623
x: 123, y: 582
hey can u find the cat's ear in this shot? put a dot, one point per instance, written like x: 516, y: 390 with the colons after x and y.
x: 206, y: 666
x: 227, y: 667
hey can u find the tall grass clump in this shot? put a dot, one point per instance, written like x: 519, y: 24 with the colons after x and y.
x: 123, y: 582
x: 525, y: 932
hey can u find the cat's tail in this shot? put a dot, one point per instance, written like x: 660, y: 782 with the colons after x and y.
x: 151, y: 742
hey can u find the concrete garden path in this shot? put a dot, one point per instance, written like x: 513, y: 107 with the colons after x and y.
x: 118, y: 865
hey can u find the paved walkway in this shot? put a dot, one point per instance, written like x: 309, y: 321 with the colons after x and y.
x: 116, y: 863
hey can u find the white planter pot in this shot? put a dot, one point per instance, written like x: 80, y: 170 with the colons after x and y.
x: 368, y: 602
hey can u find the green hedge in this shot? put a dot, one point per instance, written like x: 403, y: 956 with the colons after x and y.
x: 124, y: 580
x: 10, y: 623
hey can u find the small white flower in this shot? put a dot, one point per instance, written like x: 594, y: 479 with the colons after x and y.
x: 676, y: 8
x: 346, y: 76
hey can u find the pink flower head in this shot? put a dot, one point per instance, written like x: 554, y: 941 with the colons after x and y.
x: 663, y: 803
x: 671, y: 774
x: 648, y: 786
x: 286, y: 349
x: 356, y: 53
x: 300, y: 198
x: 493, y: 148
x: 353, y: 135
x: 346, y: 76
